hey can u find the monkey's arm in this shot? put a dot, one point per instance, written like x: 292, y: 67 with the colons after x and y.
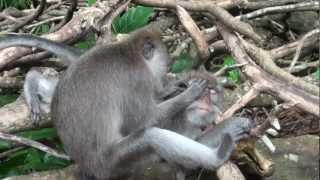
x: 66, y: 53
x: 38, y: 91
x: 172, y: 147
x: 172, y: 89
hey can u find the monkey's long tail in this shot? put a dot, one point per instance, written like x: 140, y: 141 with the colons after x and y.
x: 64, y: 52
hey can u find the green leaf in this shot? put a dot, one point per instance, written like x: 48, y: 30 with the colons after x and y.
x: 183, y: 63
x: 133, y: 19
x: 91, y: 2
x: 89, y: 42
x: 27, y: 160
x: 54, y: 161
x: 12, y: 165
x: 316, y: 74
x: 42, y: 29
x: 232, y: 75
x: 33, y: 158
x: 40, y: 134
x: 7, y: 98
x: 5, y: 145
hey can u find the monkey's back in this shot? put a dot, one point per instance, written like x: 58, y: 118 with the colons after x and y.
x: 108, y: 87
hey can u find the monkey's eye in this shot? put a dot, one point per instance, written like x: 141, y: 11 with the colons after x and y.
x: 148, y: 50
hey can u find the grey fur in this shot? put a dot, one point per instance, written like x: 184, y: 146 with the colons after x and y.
x: 38, y: 91
x: 182, y: 158
x: 104, y: 104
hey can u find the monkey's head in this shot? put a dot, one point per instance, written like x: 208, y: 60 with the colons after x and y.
x: 206, y: 109
x: 152, y: 50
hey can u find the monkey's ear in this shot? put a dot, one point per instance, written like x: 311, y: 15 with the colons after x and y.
x: 148, y: 48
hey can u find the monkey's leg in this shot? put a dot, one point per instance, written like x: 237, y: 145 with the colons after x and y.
x: 170, y: 146
x: 30, y: 88
x: 37, y: 88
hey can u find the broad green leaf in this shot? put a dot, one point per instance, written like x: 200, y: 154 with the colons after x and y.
x: 13, y: 164
x: 4, y: 145
x: 7, y: 98
x: 183, y: 63
x: 133, y: 19
x: 33, y: 158
x: 39, y: 134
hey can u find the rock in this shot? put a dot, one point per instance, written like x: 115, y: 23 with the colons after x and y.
x: 303, y: 22
x: 295, y: 158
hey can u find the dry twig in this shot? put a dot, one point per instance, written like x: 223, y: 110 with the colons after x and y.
x: 34, y: 144
x: 300, y: 45
x: 194, y: 31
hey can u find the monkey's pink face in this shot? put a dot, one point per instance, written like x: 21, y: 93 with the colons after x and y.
x: 204, y: 111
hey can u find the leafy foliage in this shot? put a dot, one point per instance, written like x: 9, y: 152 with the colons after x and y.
x: 30, y: 159
x: 19, y: 4
x: 133, y: 19
x: 183, y: 63
x: 233, y: 75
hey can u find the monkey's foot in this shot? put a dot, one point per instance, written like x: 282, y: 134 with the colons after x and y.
x: 35, y: 113
x: 225, y: 149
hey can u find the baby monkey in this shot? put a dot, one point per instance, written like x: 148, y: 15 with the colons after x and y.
x: 190, y: 123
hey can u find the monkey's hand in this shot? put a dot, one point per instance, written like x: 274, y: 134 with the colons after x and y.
x: 196, y: 89
x: 173, y: 89
x: 169, y: 108
x: 35, y: 111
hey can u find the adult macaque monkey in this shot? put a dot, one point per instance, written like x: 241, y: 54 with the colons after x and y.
x: 104, y: 108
